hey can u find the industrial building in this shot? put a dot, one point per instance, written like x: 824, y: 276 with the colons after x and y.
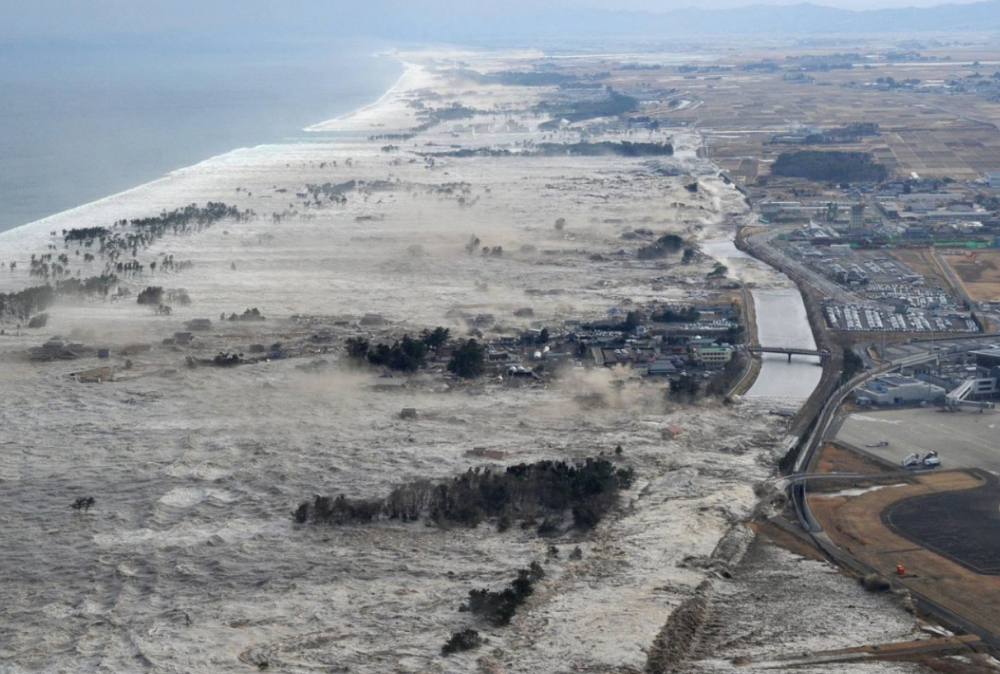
x: 897, y: 390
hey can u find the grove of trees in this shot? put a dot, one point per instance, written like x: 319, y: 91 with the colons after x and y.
x: 823, y: 166
x: 522, y: 492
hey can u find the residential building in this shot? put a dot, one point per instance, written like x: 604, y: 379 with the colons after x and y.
x: 712, y: 356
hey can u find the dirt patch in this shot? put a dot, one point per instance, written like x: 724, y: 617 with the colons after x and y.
x: 922, y: 262
x: 832, y: 458
x: 855, y: 525
x: 979, y: 273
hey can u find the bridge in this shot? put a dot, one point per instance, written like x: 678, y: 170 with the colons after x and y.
x: 819, y: 353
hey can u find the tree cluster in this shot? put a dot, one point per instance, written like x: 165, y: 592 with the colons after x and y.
x: 145, y: 231
x: 248, y: 315
x: 409, y: 354
x: 84, y: 234
x: 151, y: 295
x: 22, y: 304
x: 664, y: 246
x: 578, y: 111
x: 464, y: 640
x: 719, y: 271
x: 853, y: 364
x: 39, y: 321
x: 516, y: 78
x: 844, y: 134
x: 605, y: 148
x: 522, y: 492
x: 823, y: 166
x: 683, y: 315
x: 685, y: 386
x: 405, y: 355
x: 330, y: 191
x: 436, y: 338
x: 434, y: 116
x: 226, y: 359
x: 499, y: 607
x: 468, y: 360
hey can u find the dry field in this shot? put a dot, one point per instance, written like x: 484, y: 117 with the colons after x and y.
x: 980, y: 275
x: 852, y: 520
x: 929, y: 133
x: 922, y: 262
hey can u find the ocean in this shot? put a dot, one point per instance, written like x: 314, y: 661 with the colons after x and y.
x: 82, y: 121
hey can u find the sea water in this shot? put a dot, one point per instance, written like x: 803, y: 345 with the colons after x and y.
x: 82, y: 121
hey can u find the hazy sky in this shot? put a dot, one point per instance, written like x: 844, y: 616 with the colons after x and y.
x: 89, y: 17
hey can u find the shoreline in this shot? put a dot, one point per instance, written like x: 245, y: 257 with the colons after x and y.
x: 381, y: 100
x: 395, y: 89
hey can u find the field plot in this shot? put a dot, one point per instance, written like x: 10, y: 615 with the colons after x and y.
x: 979, y: 273
x: 926, y: 130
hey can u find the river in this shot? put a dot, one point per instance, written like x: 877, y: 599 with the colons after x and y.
x: 781, y: 321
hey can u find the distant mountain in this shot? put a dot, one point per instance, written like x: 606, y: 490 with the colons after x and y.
x: 429, y: 20
x: 461, y: 21
x: 808, y: 18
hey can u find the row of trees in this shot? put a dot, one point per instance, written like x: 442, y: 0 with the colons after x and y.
x: 522, y: 492
x: 581, y: 149
x: 129, y: 236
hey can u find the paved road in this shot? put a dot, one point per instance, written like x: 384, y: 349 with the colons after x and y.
x: 953, y: 279
x: 763, y: 243
x: 963, y: 439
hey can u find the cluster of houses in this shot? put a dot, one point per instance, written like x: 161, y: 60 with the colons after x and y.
x: 653, y: 349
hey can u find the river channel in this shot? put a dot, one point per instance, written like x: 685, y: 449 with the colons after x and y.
x: 781, y: 321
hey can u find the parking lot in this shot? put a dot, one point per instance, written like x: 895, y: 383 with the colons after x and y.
x: 963, y: 439
x: 855, y: 317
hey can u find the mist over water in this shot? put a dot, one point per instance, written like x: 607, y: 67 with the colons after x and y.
x: 80, y: 121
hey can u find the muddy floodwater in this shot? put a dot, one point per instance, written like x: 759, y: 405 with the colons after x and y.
x: 781, y: 322
x: 187, y: 557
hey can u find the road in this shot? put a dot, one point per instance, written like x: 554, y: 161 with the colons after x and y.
x: 763, y: 247
x: 964, y: 439
x: 955, y: 282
